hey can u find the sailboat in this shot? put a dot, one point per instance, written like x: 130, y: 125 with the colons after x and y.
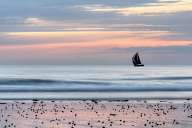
x: 136, y: 60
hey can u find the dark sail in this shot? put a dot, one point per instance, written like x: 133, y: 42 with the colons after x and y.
x: 136, y: 60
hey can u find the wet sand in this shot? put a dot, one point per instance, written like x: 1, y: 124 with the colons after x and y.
x: 96, y: 114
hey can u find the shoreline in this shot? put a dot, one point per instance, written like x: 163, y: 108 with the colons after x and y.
x: 97, y: 95
x: 96, y: 113
x: 101, y: 99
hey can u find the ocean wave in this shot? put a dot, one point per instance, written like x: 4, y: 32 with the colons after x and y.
x: 161, y: 78
x: 100, y: 85
x: 168, y: 89
x: 169, y: 78
x: 47, y: 82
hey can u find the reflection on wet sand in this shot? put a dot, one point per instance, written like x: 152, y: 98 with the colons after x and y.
x: 96, y: 114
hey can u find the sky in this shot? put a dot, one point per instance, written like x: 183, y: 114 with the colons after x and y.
x: 95, y: 32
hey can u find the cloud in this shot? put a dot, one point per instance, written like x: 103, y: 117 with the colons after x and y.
x: 36, y: 22
x: 159, y: 7
x: 71, y: 15
x: 25, y: 38
x: 69, y: 29
x: 182, y: 49
x: 68, y: 54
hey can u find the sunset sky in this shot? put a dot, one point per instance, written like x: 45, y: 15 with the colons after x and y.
x: 83, y: 32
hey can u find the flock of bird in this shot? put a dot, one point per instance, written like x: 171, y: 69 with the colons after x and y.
x: 95, y: 114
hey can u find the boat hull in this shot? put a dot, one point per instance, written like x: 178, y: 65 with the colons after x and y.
x: 140, y: 65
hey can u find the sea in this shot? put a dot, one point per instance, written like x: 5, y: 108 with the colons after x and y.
x: 95, y: 82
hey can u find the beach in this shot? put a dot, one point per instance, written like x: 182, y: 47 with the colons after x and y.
x: 96, y: 113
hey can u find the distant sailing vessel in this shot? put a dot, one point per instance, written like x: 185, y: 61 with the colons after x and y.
x: 136, y: 60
